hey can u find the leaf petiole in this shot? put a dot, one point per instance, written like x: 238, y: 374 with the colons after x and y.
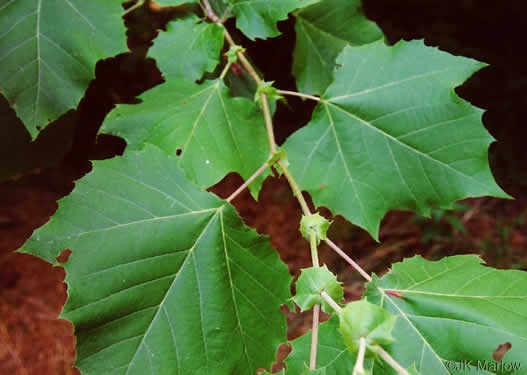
x: 299, y: 94
x: 313, y: 245
x: 248, y: 182
x: 392, y: 362
x: 359, y: 364
x: 344, y: 256
x: 331, y: 301
x: 225, y: 70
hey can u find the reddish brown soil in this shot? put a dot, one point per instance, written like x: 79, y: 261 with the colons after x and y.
x: 32, y: 292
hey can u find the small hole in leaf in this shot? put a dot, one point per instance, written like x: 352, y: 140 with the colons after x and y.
x: 64, y: 256
x: 178, y: 152
x: 500, y: 351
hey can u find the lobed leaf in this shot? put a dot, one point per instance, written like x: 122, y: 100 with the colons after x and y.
x: 454, y: 310
x: 45, y: 67
x: 163, y: 278
x: 258, y: 18
x: 322, y: 31
x: 188, y: 48
x: 390, y: 133
x: 216, y: 133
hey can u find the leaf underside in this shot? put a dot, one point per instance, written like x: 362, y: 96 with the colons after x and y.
x: 452, y: 310
x: 45, y: 67
x: 215, y: 132
x: 390, y: 133
x: 322, y: 31
x: 163, y: 278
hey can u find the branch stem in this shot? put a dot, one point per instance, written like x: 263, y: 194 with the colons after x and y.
x: 268, y: 123
x: 359, y: 363
x: 314, y: 337
x: 273, y: 148
x: 248, y: 182
x: 339, y: 251
x: 314, y: 258
x: 241, y: 57
x: 295, y: 188
x: 314, y: 252
x: 225, y: 71
x: 211, y: 14
x: 392, y: 362
x: 316, y: 308
x: 294, y: 93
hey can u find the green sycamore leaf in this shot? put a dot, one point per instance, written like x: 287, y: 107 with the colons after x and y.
x: 332, y: 354
x: 390, y: 133
x: 322, y: 31
x: 258, y: 18
x: 311, y: 282
x: 188, y: 48
x: 454, y: 310
x: 364, y: 319
x: 216, y: 133
x: 164, y: 278
x: 45, y: 67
